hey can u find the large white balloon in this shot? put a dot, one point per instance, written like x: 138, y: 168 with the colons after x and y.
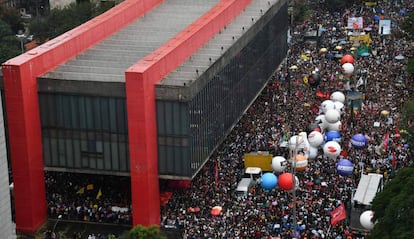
x: 348, y: 68
x: 313, y: 152
x: 327, y: 105
x: 321, y: 121
x: 335, y: 126
x: 332, y: 116
x: 278, y: 164
x: 332, y: 149
x: 315, y: 138
x: 298, y: 142
x: 340, y: 107
x: 338, y: 96
x: 365, y: 219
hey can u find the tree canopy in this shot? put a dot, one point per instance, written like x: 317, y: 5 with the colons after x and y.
x: 393, y: 208
x: 142, y: 232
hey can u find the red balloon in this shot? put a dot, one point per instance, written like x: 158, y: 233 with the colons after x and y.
x: 347, y: 59
x: 286, y: 181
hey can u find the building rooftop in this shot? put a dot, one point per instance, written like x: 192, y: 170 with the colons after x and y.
x: 108, y: 60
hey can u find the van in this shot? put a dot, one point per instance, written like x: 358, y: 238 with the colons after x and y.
x: 244, y: 186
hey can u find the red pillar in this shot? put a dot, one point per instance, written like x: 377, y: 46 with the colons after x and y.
x: 26, y: 147
x: 143, y: 149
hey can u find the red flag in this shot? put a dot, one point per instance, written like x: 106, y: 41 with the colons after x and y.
x: 385, y: 140
x: 338, y: 214
x: 216, y: 175
x: 320, y: 94
x: 394, y: 159
x: 299, y: 94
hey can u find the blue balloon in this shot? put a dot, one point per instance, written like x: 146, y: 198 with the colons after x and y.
x: 344, y: 167
x: 333, y: 136
x: 359, y: 141
x: 268, y: 181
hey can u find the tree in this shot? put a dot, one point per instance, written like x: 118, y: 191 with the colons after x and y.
x: 393, y: 208
x: 407, y: 124
x: 11, y: 17
x: 141, y: 232
x: 61, y: 20
x: 9, y: 44
x: 408, y: 24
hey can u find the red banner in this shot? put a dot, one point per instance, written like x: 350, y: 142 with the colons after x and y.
x: 338, y: 215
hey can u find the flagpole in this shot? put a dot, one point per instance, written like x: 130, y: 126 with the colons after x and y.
x: 329, y: 231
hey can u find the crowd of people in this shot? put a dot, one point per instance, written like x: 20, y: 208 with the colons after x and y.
x: 286, y: 107
x: 80, y: 197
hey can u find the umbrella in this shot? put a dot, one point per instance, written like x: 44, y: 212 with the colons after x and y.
x: 368, y: 29
x: 294, y: 67
x: 399, y: 57
x: 329, y: 55
x: 365, y: 54
x: 338, y: 47
x: 385, y: 112
x: 337, y: 56
x: 323, y: 50
x: 215, y: 211
x: 353, y: 49
x: 403, y: 11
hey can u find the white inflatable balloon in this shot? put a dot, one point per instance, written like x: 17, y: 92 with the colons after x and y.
x: 332, y: 149
x: 338, y: 96
x: 315, y: 139
x: 327, y: 105
x: 365, y: 219
x: 313, y: 152
x: 340, y: 107
x: 348, y: 68
x: 297, y: 142
x: 321, y: 121
x: 278, y: 164
x: 332, y: 116
x: 335, y: 126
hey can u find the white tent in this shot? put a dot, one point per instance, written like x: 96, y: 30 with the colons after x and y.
x: 368, y: 186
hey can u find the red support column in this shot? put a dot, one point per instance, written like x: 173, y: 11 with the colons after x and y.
x: 26, y: 147
x: 143, y: 149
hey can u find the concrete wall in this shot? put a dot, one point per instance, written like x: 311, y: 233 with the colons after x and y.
x: 7, y: 230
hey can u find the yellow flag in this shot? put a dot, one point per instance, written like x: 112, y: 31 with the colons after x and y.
x: 89, y: 187
x: 98, y: 196
x: 81, y: 190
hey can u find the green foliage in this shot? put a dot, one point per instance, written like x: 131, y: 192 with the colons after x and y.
x: 9, y: 44
x: 407, y: 123
x: 410, y: 66
x: 61, y: 20
x: 393, y: 207
x: 408, y: 24
x: 11, y: 17
x: 141, y: 232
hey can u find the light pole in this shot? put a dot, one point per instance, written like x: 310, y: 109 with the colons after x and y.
x: 54, y: 226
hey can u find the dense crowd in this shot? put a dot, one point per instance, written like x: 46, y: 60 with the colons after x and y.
x: 286, y: 107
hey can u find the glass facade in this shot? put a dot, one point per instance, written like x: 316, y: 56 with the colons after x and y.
x: 188, y: 132
x: 84, y: 132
